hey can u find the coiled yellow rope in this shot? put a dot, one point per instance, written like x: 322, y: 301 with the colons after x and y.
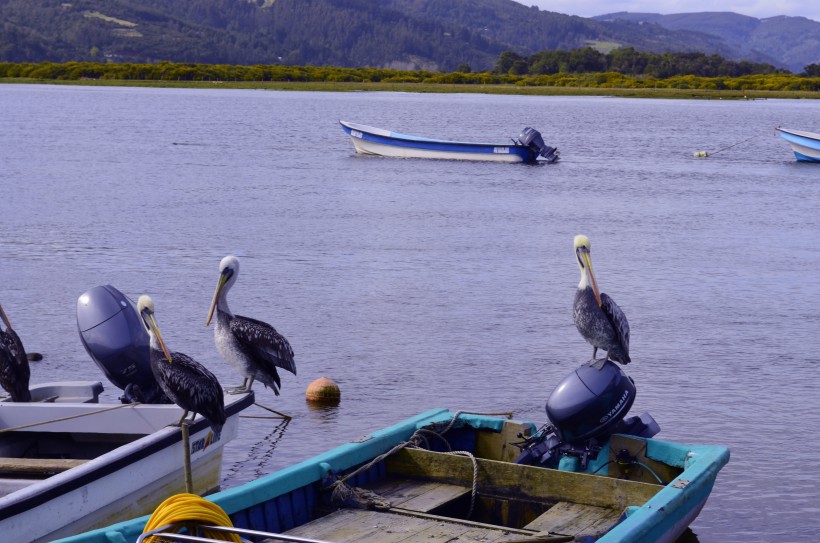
x: 191, y: 510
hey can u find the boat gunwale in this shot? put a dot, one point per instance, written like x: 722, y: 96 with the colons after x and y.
x: 800, y: 133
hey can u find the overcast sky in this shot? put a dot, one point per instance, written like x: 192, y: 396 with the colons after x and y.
x: 754, y: 8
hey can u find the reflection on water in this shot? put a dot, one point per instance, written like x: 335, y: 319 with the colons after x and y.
x: 254, y: 462
x: 419, y: 284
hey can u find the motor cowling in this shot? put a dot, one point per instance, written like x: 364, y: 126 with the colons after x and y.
x: 113, y: 335
x: 531, y: 138
x: 589, y: 403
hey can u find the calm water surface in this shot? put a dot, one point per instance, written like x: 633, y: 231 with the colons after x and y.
x: 418, y: 284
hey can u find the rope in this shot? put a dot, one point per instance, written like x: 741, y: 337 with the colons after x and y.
x: 734, y: 144
x: 474, y: 490
x: 13, y: 428
x: 191, y: 510
x: 343, y: 492
x: 281, y: 415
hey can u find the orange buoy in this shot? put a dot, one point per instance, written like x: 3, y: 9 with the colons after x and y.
x: 323, y: 390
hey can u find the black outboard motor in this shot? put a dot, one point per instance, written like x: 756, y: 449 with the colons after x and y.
x: 531, y: 138
x: 588, y: 402
x: 113, y: 335
x: 586, y: 407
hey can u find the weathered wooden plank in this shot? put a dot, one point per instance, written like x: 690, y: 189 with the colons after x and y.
x: 452, y: 520
x: 575, y: 519
x: 361, y: 526
x: 600, y: 527
x: 417, y: 495
x: 633, y: 472
x: 522, y: 482
x: 38, y: 465
x: 340, y: 526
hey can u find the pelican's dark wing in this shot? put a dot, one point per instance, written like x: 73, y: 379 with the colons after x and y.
x: 14, y: 369
x: 619, y: 323
x: 266, y: 344
x: 195, y: 388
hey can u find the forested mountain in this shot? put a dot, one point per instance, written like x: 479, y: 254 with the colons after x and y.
x: 793, y: 41
x: 406, y: 34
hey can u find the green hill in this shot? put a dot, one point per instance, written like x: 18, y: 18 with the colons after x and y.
x: 791, y: 42
x: 418, y: 34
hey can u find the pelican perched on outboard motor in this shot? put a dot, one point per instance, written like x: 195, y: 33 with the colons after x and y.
x: 597, y: 316
x: 585, y: 409
x: 531, y: 138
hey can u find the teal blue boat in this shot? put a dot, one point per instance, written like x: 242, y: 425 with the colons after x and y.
x: 446, y: 476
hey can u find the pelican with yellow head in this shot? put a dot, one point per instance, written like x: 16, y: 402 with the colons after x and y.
x: 597, y: 317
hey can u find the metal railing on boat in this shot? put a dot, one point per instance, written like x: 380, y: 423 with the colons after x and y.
x: 172, y: 536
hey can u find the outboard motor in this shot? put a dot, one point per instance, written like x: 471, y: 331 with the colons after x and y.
x: 586, y: 407
x: 531, y: 138
x: 113, y: 335
x: 589, y: 402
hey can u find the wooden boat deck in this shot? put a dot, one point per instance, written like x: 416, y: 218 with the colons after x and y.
x: 561, y: 522
x: 429, y: 494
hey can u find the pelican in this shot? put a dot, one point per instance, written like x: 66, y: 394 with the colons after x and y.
x: 14, y: 369
x: 184, y: 380
x: 254, y: 348
x: 597, y: 316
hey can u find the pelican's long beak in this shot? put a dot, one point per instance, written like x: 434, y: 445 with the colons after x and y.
x: 153, y: 324
x: 5, y: 318
x: 584, y: 254
x: 222, y: 280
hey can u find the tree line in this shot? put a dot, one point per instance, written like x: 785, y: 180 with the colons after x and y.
x: 630, y: 62
x: 169, y: 71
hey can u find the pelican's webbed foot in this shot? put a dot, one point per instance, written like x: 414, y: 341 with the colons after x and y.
x: 236, y: 390
x: 244, y: 388
x: 597, y: 363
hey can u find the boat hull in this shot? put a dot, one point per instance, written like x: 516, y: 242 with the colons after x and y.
x: 286, y: 500
x: 128, y: 481
x: 805, y: 145
x: 368, y: 140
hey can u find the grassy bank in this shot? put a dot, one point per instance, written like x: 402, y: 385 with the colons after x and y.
x: 532, y: 90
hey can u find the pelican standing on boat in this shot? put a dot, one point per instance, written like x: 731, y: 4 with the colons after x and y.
x: 185, y: 381
x: 14, y: 370
x: 254, y: 348
x: 597, y: 317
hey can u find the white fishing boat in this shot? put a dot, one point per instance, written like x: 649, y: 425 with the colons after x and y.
x: 369, y: 140
x: 70, y: 463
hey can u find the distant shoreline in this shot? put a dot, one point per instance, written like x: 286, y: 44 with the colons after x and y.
x: 443, y: 88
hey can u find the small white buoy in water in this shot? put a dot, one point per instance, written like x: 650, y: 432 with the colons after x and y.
x: 701, y: 154
x: 323, y: 390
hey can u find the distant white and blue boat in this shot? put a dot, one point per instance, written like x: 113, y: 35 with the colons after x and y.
x: 369, y: 140
x: 806, y: 145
